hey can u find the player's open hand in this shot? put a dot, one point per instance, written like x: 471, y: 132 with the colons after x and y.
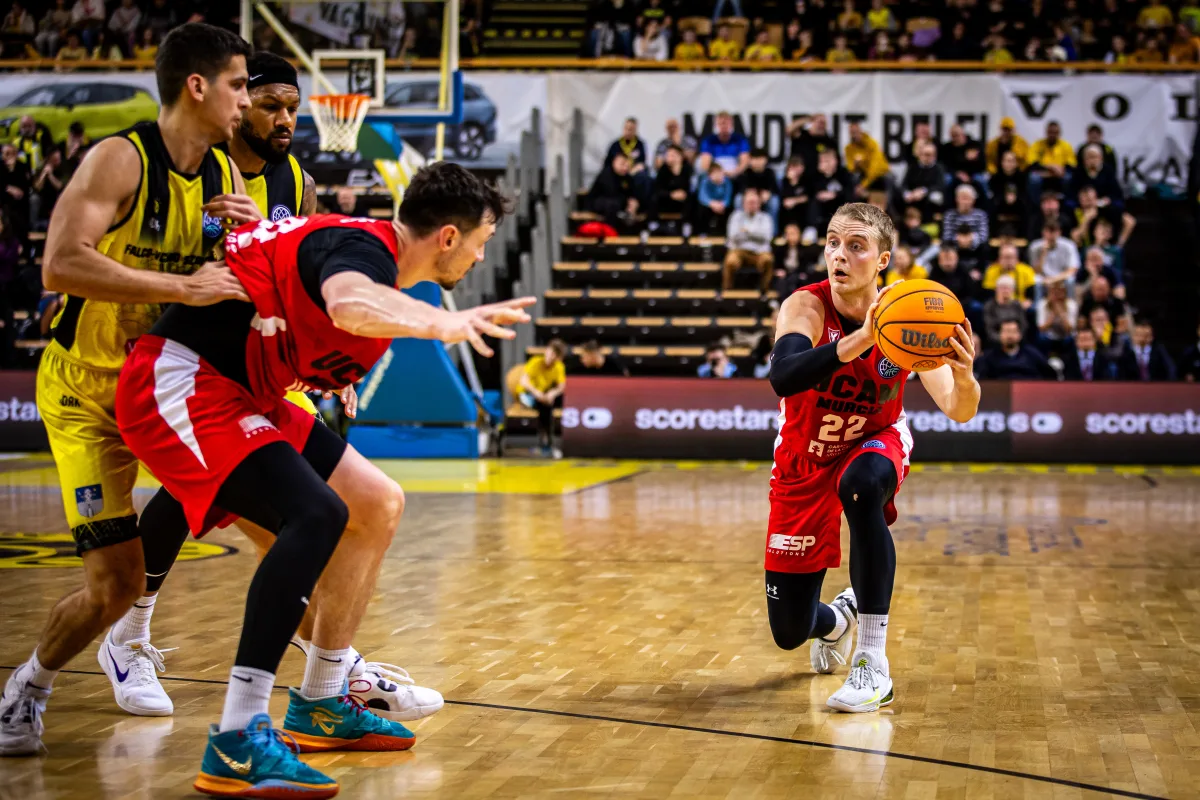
x: 211, y: 284
x: 349, y: 401
x: 963, y: 361
x: 869, y: 321
x: 473, y: 324
x: 237, y: 209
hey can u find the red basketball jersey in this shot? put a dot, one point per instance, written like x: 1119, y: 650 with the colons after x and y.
x: 862, y: 398
x: 293, y: 345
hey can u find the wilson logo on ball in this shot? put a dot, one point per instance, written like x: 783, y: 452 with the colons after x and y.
x: 926, y: 341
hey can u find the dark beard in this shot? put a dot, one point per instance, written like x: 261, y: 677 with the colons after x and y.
x: 262, y: 147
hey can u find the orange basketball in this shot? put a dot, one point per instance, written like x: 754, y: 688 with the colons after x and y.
x: 914, y: 323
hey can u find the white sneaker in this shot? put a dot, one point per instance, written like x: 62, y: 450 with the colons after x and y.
x: 389, y: 692
x: 21, y: 709
x: 824, y: 654
x: 867, y: 687
x: 132, y: 670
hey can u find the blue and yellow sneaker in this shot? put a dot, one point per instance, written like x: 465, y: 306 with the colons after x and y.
x: 341, y: 723
x: 259, y: 761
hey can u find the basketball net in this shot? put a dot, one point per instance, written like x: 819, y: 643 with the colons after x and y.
x: 339, y: 118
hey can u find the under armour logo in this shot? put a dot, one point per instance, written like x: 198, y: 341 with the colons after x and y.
x: 773, y: 591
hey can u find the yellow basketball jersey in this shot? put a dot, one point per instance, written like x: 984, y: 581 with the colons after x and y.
x: 165, y: 230
x: 278, y: 190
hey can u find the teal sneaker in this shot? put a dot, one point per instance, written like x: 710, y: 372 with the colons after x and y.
x: 341, y: 723
x: 259, y: 762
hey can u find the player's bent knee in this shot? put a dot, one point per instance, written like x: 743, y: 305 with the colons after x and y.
x: 868, y: 480
x: 391, y: 507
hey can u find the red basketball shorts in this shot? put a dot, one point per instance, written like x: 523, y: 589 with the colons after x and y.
x: 191, y: 426
x: 804, y: 533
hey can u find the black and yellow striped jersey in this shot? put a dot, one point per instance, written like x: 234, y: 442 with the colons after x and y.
x: 165, y: 230
x: 278, y: 190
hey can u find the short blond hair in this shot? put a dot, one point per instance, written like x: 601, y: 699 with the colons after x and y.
x: 874, y: 218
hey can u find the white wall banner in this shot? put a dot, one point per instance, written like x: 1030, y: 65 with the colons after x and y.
x: 1148, y: 119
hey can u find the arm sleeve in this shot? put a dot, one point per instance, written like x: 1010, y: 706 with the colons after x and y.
x: 796, y: 366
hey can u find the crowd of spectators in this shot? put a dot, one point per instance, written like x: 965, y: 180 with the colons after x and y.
x: 1029, y: 236
x: 836, y: 31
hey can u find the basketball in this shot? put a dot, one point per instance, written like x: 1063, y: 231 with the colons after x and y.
x: 914, y: 323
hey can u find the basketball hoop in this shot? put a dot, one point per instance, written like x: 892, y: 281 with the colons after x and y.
x: 339, y: 118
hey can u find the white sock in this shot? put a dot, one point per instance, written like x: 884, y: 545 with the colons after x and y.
x: 135, y: 625
x: 872, y: 636
x: 325, y: 672
x: 33, y: 673
x: 248, y: 695
x: 304, y: 644
x: 358, y: 664
x: 839, y: 627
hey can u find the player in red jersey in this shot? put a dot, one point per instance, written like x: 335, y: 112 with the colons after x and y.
x: 844, y: 445
x: 201, y: 404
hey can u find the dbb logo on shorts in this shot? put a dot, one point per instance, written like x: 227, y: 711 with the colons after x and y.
x: 874, y: 444
x: 887, y: 369
x: 790, y: 544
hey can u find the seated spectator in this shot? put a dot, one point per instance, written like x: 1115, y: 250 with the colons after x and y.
x: 911, y: 234
x: 52, y: 29
x: 125, y: 23
x: 903, y: 267
x: 792, y: 268
x: 675, y: 136
x: 849, y: 19
x: 963, y: 158
x: 672, y: 182
x: 1050, y: 209
x: 1097, y: 175
x: 1008, y: 359
x: 34, y: 143
x: 46, y: 188
x: 972, y: 258
x: 906, y: 50
x: 791, y: 38
x: 794, y: 198
x: 965, y: 213
x: 1145, y: 359
x: 18, y: 21
x: 948, y: 273
x: 831, y: 187
x: 592, y: 360
x: 809, y: 138
x: 1055, y: 258
x: 1003, y: 307
x: 1100, y: 295
x: 1095, y: 136
x: 997, y: 52
x: 748, y: 240
x: 1155, y: 16
x: 1114, y: 256
x: 17, y: 183
x: 689, y: 49
x: 1008, y: 140
x: 161, y: 17
x: 1189, y: 363
x: 631, y: 146
x: 73, y: 50
x: 760, y: 179
x: 924, y: 184
x: 879, y: 18
x: 1010, y: 211
x: 922, y: 135
x: 1093, y: 266
x: 542, y: 386
x: 106, y: 50
x: 724, y: 47
x: 714, y: 195
x: 652, y: 45
x: 882, y: 48
x: 1085, y: 361
x: 1090, y: 211
x: 1151, y: 49
x: 958, y: 46
x: 1057, y: 315
x: 611, y: 31
x: 1118, y: 51
x: 762, y: 49
x: 614, y: 193
x: 1050, y: 162
x: 1010, y: 264
x: 840, y: 53
x: 804, y: 51
x: 87, y: 16
x: 716, y: 364
x: 866, y: 162
x: 147, y: 48
x: 724, y: 145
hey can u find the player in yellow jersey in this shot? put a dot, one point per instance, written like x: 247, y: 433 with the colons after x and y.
x: 128, y: 235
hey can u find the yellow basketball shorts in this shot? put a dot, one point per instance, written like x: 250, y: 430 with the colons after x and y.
x: 96, y: 471
x: 301, y: 399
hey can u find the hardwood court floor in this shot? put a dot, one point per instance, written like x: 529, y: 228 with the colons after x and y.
x: 600, y: 629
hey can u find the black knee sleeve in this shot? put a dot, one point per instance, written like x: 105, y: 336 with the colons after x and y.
x: 794, y: 608
x: 163, y: 528
x: 867, y: 485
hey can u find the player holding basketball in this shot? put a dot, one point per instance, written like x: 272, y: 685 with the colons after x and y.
x: 844, y: 445
x: 200, y: 402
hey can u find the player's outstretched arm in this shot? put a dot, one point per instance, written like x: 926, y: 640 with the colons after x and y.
x: 104, y: 187
x: 953, y: 386
x: 359, y: 305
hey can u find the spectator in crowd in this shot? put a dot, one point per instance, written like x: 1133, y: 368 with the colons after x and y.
x: 47, y: 186
x: 161, y: 18
x: 716, y: 364
x: 882, y: 48
x: 73, y: 50
x: 675, y: 136
x: 792, y: 268
x: 105, y: 49
x: 1155, y: 16
x: 1093, y: 266
x: 1008, y: 359
x: 791, y: 38
x: 652, y: 44
x: 866, y: 162
x: 748, y: 240
x: 630, y: 145
x: 52, y: 29
x: 810, y: 137
x: 724, y: 47
x: 922, y: 136
x: 903, y: 267
x: 75, y: 147
x: 1100, y: 295
x: 963, y: 158
x: 762, y: 49
x: 1145, y: 359
x: 1050, y: 162
x: 87, y: 16
x: 726, y: 146
x: 1009, y: 201
x: 1189, y: 363
x: 1108, y: 340
x: 971, y: 257
x: 1009, y: 263
x: 1008, y: 140
x: 1114, y: 257
x: 924, y: 184
x: 614, y: 193
x: 1055, y: 258
x: 18, y: 21
x: 997, y: 52
x: 958, y: 46
x: 1085, y: 361
x: 689, y: 48
x: 760, y: 179
x: 1099, y: 176
x: 10, y: 254
x: 592, y: 361
x: 1002, y: 307
x: 17, y: 182
x: 611, y: 29
x: 33, y: 142
x: 965, y: 213
x: 879, y: 18
x: 714, y: 194
x: 653, y: 11
x: 147, y: 49
x: 125, y: 23
x: 794, y: 204
x: 1057, y: 315
x: 911, y: 234
x: 1090, y: 210
x: 805, y: 51
x: 672, y: 182
x: 542, y: 386
x: 1118, y: 51
x: 1095, y: 136
x: 840, y: 53
x: 948, y: 273
x: 831, y: 187
x: 849, y: 19
x: 1050, y: 210
x: 350, y: 202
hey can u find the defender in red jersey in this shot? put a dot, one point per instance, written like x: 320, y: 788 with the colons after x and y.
x: 844, y: 446
x: 201, y: 404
